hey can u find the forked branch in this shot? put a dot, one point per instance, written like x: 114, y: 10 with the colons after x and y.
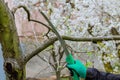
x: 28, y: 16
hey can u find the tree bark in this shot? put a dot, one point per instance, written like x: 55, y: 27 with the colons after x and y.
x: 58, y: 75
x: 13, y: 61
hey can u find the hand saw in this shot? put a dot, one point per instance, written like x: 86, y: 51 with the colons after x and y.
x: 70, y: 59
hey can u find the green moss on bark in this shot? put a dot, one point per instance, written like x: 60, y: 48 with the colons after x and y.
x: 13, y: 60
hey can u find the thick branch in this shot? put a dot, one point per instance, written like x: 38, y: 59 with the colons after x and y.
x: 13, y: 60
x: 8, y: 33
x: 41, y: 48
x: 53, y: 39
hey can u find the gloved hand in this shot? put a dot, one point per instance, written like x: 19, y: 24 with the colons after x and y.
x: 78, y: 67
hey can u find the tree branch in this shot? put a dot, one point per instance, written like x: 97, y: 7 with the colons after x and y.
x: 41, y: 48
x: 28, y: 16
x: 53, y: 39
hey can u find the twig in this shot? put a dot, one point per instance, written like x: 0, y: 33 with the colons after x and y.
x: 29, y: 19
x: 41, y: 58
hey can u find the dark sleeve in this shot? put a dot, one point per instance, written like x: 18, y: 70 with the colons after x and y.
x: 94, y: 74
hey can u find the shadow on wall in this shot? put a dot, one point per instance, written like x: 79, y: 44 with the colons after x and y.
x: 2, y: 74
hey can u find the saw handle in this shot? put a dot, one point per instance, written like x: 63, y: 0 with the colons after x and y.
x: 70, y: 60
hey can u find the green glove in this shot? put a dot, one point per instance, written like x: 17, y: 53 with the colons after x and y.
x: 79, y: 67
